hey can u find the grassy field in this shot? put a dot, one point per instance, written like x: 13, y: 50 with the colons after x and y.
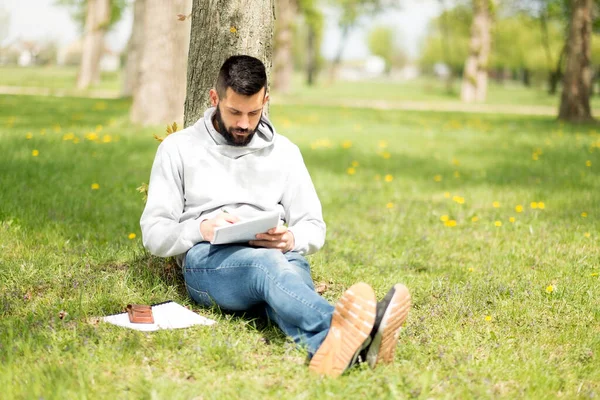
x: 491, y: 221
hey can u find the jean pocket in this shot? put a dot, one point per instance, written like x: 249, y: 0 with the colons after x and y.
x: 200, y: 297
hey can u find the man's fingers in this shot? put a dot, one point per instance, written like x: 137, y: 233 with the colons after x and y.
x: 279, y: 230
x: 229, y: 217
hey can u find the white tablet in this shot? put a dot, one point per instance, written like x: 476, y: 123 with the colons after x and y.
x: 246, y: 230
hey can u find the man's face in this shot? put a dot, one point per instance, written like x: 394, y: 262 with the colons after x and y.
x: 237, y: 115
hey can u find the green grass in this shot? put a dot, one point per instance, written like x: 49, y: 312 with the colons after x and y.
x: 54, y: 78
x: 65, y: 247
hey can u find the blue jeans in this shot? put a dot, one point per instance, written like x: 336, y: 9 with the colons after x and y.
x: 237, y: 278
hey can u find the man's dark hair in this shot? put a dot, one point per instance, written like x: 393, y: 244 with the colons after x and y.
x: 243, y: 74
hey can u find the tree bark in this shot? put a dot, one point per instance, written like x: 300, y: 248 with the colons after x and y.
x: 335, y: 65
x: 575, y: 99
x: 96, y: 23
x: 474, y: 84
x: 283, y: 64
x: 134, y: 50
x: 555, y: 75
x: 160, y: 94
x: 220, y: 29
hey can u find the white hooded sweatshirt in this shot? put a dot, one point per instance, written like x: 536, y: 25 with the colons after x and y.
x: 196, y: 175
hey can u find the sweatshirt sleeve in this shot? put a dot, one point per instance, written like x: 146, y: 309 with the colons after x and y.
x: 163, y: 233
x: 303, y: 211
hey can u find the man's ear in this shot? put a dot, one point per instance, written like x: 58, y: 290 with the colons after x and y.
x: 266, y: 99
x: 214, y: 97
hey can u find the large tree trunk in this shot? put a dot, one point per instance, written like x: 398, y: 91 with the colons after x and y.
x: 283, y: 64
x: 221, y: 29
x: 96, y: 22
x: 575, y: 100
x: 134, y: 50
x: 474, y: 84
x: 160, y: 94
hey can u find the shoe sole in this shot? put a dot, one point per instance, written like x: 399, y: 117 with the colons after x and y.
x: 351, y: 325
x: 383, y: 345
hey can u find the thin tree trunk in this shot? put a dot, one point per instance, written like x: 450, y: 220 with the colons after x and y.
x: 338, y: 57
x: 575, y: 100
x: 96, y: 23
x: 474, y: 85
x: 220, y: 30
x: 160, y: 94
x: 446, y: 40
x: 311, y: 55
x: 134, y: 49
x: 283, y: 64
x: 555, y: 75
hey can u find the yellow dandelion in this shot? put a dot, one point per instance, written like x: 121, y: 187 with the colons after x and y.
x: 444, y: 218
x: 437, y: 178
x: 450, y: 223
x: 91, y: 136
x: 95, y: 186
x: 106, y: 139
x: 131, y: 236
x: 512, y: 220
x: 541, y: 205
x: 351, y: 171
x: 355, y: 163
x: 496, y: 204
x: 389, y: 178
x: 584, y: 214
x: 534, y: 204
x: 587, y: 234
x: 455, y: 161
x: 594, y: 274
x: 498, y: 223
x: 233, y: 29
x: 471, y: 269
x: 588, y: 163
x: 389, y: 205
x: 382, y: 144
x: 346, y: 144
x: 386, y: 155
x: 519, y: 208
x: 458, y: 199
x: 68, y: 136
x: 29, y: 136
x: 549, y: 289
x: 447, y: 195
x: 474, y: 218
x: 43, y: 131
x: 35, y: 153
x: 488, y: 318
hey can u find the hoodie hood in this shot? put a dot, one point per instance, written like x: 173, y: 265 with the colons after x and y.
x: 264, y: 136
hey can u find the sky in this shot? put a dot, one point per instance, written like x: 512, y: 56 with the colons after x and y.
x: 43, y: 20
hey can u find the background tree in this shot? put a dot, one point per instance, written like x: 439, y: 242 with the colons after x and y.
x: 133, y: 51
x: 351, y: 12
x: 381, y: 43
x: 575, y: 99
x: 308, y: 36
x: 95, y: 18
x: 474, y: 84
x: 447, y: 41
x: 159, y: 95
x: 220, y: 30
x: 286, y: 12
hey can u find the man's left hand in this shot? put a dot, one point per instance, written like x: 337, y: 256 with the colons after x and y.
x: 277, y: 238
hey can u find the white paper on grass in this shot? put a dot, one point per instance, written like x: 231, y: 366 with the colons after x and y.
x: 246, y: 230
x: 169, y: 315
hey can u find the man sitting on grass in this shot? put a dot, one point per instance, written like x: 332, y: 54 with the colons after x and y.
x: 229, y: 166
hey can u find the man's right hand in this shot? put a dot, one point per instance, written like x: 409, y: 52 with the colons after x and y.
x: 207, y: 227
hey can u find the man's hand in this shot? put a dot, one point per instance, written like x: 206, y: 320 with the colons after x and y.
x: 207, y: 227
x: 277, y: 238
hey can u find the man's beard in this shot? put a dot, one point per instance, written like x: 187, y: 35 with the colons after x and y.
x: 228, y: 133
